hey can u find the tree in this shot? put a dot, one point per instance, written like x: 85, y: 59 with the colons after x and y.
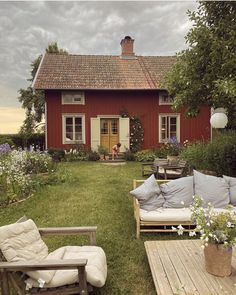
x: 205, y: 73
x: 33, y: 100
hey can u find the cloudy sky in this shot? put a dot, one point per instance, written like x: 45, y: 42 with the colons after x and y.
x: 26, y: 28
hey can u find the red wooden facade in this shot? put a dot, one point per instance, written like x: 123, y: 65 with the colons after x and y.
x: 142, y: 103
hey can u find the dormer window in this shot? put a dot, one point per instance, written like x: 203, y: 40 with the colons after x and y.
x: 72, y: 97
x: 164, y: 98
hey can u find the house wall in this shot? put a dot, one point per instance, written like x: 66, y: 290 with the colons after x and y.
x: 140, y: 103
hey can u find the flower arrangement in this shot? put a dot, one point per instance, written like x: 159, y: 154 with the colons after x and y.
x: 214, y: 227
x: 173, y: 147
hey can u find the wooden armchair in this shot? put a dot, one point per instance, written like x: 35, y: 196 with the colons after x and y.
x: 153, y: 168
x: 12, y: 274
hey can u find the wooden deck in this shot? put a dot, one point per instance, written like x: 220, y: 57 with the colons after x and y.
x: 177, y: 268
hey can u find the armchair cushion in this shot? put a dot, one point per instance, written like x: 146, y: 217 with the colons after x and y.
x: 212, y: 189
x: 96, y: 267
x: 232, y: 189
x: 149, y: 194
x: 22, y: 242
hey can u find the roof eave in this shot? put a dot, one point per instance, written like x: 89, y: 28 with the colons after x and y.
x: 36, y: 76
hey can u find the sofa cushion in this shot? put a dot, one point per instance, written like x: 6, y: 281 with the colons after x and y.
x: 149, y: 194
x: 212, y: 189
x: 96, y: 268
x: 232, y: 188
x: 178, y: 193
x: 22, y: 242
x: 166, y: 215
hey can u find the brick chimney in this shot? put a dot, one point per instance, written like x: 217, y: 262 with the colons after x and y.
x: 127, y: 48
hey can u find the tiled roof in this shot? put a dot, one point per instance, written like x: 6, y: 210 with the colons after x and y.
x: 60, y: 71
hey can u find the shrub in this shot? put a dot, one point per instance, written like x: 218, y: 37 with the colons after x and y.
x: 102, y: 150
x: 78, y: 153
x: 218, y: 155
x: 129, y: 155
x: 145, y: 156
x: 93, y: 156
x: 57, y: 154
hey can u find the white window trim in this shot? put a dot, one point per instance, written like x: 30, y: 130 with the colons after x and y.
x: 64, y: 116
x: 162, y: 102
x: 177, y: 122
x: 82, y: 102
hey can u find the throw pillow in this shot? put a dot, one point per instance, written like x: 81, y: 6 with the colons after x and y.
x: 212, y: 189
x: 178, y: 193
x: 149, y: 194
x: 232, y: 189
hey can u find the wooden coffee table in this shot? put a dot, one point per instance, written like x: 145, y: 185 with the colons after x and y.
x: 177, y: 267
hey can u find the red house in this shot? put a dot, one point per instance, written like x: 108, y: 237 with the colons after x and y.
x: 86, y: 93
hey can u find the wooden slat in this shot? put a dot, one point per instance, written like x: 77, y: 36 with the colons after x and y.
x: 178, y: 268
x: 158, y: 272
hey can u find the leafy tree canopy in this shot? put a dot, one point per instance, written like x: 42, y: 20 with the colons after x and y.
x: 33, y: 100
x: 205, y: 73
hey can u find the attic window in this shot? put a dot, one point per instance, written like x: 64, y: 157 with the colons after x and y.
x: 165, y: 99
x: 72, y: 97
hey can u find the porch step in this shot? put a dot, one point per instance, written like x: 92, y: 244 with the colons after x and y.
x: 119, y: 157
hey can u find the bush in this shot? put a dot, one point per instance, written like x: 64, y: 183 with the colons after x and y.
x: 218, y: 155
x: 57, y: 154
x: 37, y: 140
x: 103, y: 150
x: 149, y: 155
x: 129, y: 155
x: 78, y: 153
x: 93, y: 156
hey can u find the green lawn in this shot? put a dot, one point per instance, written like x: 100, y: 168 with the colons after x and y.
x: 96, y: 194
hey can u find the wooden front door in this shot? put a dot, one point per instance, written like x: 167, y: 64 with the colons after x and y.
x: 109, y: 132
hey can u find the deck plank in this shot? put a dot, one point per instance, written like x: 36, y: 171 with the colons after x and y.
x: 177, y: 267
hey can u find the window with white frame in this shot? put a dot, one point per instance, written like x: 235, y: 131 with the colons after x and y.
x: 169, y: 126
x: 73, y: 128
x: 72, y: 97
x: 164, y: 98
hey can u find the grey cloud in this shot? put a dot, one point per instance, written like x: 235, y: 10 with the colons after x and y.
x: 26, y: 28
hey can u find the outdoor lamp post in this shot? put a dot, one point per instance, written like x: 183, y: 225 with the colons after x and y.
x: 219, y: 118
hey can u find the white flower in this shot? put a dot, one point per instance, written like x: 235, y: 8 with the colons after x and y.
x: 192, y: 233
x: 180, y: 229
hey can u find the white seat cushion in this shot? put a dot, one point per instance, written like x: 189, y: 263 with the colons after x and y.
x: 96, y: 268
x: 166, y: 215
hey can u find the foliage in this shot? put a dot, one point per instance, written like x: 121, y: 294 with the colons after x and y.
x: 218, y: 155
x: 136, y: 131
x: 102, y: 150
x: 17, y: 140
x: 93, y: 156
x: 145, y: 156
x: 204, y: 74
x: 33, y: 100
x: 172, y: 147
x: 16, y: 169
x: 128, y: 155
x: 57, y: 154
x: 214, y: 227
x: 76, y: 154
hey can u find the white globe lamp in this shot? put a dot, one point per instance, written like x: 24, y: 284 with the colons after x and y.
x: 219, y: 118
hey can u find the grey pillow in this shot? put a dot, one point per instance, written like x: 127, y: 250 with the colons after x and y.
x: 232, y: 189
x: 212, y: 189
x: 149, y: 194
x: 178, y: 193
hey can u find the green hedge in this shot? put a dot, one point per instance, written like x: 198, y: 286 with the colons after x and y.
x: 218, y: 155
x: 37, y: 139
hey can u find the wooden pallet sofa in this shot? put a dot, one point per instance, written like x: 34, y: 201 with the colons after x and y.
x: 171, y: 200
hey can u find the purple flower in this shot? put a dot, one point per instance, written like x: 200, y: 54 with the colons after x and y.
x: 5, y: 148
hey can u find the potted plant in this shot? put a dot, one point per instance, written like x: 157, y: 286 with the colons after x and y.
x: 102, y: 150
x: 218, y: 233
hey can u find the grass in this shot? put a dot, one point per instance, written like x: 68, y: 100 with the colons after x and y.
x: 95, y: 194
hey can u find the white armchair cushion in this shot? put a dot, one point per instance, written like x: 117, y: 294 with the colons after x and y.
x: 96, y: 267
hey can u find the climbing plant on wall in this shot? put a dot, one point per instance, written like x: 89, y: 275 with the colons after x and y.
x: 136, y: 130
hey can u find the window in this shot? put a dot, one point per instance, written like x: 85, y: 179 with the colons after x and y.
x: 169, y: 126
x: 73, y: 128
x: 164, y: 98
x: 72, y: 97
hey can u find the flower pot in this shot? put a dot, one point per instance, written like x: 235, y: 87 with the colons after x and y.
x: 218, y: 260
x: 107, y: 157
x: 101, y: 157
x: 172, y: 159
